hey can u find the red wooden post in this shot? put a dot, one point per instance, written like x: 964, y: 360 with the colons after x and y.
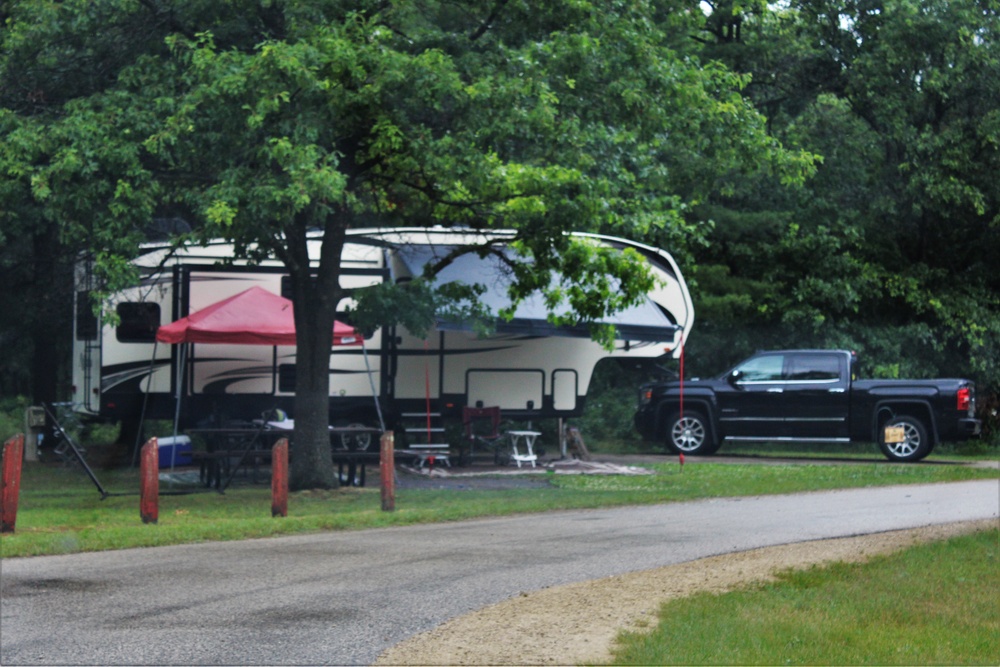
x: 149, y: 481
x: 387, y: 471
x: 13, y: 451
x: 279, y: 478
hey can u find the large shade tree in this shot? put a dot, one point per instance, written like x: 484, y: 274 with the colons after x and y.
x: 262, y: 122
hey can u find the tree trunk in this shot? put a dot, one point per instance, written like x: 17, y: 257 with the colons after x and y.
x: 316, y: 300
x: 46, y: 319
x: 311, y: 464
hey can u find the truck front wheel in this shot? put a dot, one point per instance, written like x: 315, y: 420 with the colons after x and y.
x: 690, y: 434
x: 915, y: 444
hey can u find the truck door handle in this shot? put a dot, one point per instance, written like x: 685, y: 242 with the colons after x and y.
x: 837, y: 390
x: 775, y: 390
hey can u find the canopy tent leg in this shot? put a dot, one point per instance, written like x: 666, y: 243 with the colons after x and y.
x: 145, y: 402
x: 371, y: 381
x: 177, y: 404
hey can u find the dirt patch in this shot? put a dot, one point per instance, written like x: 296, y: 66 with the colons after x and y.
x: 577, y: 623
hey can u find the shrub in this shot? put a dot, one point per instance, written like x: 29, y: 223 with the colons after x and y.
x: 12, y: 416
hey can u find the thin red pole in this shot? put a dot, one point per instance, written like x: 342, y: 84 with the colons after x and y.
x: 427, y: 389
x: 149, y: 481
x: 13, y: 452
x: 279, y: 478
x: 682, y: 376
x: 680, y: 456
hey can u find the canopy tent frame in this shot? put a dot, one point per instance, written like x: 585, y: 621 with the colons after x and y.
x: 252, y: 317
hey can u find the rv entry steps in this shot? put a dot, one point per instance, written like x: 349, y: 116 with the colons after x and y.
x: 416, y: 417
x: 430, y: 453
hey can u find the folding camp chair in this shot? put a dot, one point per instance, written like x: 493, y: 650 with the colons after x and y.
x: 482, y: 426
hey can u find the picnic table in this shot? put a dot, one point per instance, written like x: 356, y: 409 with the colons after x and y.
x: 230, y: 449
x: 227, y: 450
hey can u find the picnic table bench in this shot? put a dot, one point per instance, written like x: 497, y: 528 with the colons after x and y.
x: 214, y: 465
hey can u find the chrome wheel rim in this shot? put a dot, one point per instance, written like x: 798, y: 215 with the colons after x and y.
x: 910, y: 443
x: 688, y: 434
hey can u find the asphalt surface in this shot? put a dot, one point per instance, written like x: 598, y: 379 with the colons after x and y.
x: 342, y: 598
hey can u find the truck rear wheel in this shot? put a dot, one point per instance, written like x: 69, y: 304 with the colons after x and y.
x: 915, y: 444
x: 690, y: 434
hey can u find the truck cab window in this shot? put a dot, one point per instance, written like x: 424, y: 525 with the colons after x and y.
x: 762, y: 369
x: 138, y: 322
x: 814, y: 368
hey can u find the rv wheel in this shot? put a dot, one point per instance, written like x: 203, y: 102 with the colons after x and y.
x: 362, y: 441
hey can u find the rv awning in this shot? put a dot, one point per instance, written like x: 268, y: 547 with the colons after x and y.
x: 644, y: 322
x: 252, y: 317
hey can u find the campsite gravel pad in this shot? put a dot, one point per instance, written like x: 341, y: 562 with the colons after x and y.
x: 506, y: 477
x: 407, y: 480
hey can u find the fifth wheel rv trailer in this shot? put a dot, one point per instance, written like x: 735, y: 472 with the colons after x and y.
x: 527, y: 367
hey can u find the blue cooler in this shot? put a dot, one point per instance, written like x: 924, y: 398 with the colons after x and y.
x: 179, y: 448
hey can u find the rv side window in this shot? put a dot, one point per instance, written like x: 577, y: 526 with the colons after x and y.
x: 138, y: 322
x: 347, y: 317
x: 286, y: 378
x: 86, y: 321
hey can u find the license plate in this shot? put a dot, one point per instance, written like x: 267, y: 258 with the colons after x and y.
x: 895, y: 434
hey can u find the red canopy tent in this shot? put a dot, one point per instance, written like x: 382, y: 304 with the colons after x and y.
x: 252, y: 317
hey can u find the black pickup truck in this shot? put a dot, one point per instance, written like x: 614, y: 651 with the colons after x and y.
x: 809, y: 396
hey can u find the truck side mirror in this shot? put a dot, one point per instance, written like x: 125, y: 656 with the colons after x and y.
x: 735, y: 377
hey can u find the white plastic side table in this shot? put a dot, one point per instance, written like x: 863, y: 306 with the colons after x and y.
x: 528, y: 439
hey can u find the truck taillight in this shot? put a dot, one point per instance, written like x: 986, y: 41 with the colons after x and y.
x: 964, y: 399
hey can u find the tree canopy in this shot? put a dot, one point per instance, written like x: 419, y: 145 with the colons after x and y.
x: 261, y: 121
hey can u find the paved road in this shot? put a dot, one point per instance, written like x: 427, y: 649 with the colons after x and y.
x: 341, y: 598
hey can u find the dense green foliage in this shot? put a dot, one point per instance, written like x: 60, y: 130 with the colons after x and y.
x: 892, y: 248
x: 822, y: 170
x: 899, y: 609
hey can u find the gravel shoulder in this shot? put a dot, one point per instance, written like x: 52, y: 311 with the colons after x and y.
x: 577, y: 623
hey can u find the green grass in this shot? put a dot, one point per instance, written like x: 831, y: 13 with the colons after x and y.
x: 60, y: 511
x: 931, y: 604
x: 970, y: 450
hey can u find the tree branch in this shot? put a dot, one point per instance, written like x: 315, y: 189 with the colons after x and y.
x: 488, y: 23
x: 491, y: 247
